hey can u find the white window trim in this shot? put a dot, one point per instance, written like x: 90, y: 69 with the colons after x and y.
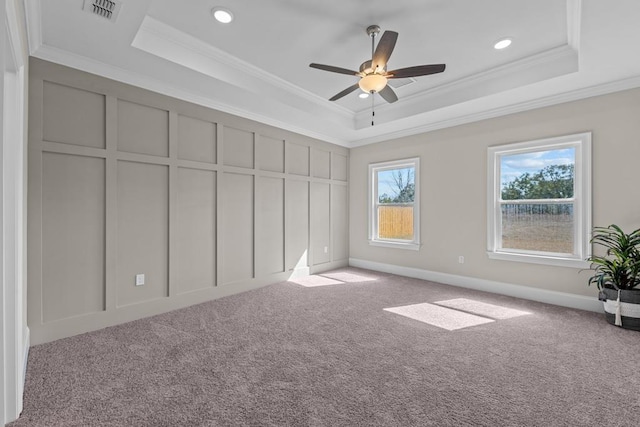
x: 582, y: 201
x: 372, y: 202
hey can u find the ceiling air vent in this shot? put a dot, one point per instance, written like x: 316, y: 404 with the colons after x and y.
x: 397, y: 83
x: 107, y: 9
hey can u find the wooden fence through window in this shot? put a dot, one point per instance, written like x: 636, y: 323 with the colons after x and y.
x: 395, y: 222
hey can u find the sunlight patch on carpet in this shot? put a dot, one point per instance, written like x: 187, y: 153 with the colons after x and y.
x: 482, y: 309
x: 329, y: 279
x: 313, y: 281
x: 349, y: 277
x: 441, y: 317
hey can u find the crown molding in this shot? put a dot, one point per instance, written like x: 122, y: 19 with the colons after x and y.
x: 16, y: 47
x: 552, y: 63
x: 95, y: 67
x: 547, y: 101
x: 400, y: 123
x: 541, y: 59
x: 92, y: 66
x: 574, y: 23
x: 169, y: 43
x: 33, y: 15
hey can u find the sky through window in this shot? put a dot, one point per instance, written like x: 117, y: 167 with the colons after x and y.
x: 513, y: 166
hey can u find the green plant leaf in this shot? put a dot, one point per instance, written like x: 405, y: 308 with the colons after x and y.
x: 620, y: 267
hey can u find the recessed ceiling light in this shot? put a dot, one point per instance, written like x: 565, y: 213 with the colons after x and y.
x: 502, y: 44
x: 363, y: 95
x: 222, y: 15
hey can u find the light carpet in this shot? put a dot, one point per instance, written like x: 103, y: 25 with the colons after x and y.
x: 481, y: 308
x: 441, y: 317
x: 289, y: 355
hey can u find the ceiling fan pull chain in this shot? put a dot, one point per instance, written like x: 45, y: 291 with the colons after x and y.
x: 373, y: 112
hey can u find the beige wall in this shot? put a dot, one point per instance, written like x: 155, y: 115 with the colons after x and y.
x: 123, y: 181
x: 454, y: 188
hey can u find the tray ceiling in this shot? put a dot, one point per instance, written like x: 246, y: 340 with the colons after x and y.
x: 257, y: 66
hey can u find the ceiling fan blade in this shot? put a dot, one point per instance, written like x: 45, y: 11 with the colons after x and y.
x: 388, y: 94
x: 418, y: 70
x: 385, y: 48
x: 347, y: 91
x: 333, y: 69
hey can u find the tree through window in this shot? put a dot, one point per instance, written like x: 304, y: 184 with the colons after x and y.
x: 540, y: 199
x: 537, y: 208
x: 394, y: 209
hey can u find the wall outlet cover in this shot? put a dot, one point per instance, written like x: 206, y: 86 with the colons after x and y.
x: 139, y: 279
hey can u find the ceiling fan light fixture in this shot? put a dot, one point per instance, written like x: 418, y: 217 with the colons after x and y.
x: 363, y: 95
x: 222, y: 15
x: 372, y: 83
x: 502, y: 44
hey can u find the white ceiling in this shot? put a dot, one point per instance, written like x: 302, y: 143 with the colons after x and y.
x: 257, y: 66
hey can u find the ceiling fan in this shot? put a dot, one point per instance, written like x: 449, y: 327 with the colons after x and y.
x: 373, y: 73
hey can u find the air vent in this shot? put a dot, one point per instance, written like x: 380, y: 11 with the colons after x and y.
x: 107, y: 9
x: 397, y: 83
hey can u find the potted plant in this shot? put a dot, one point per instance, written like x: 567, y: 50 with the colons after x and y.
x: 617, y: 274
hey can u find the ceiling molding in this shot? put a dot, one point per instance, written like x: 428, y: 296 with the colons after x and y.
x: 88, y: 65
x: 16, y: 47
x: 82, y: 63
x: 237, y: 87
x: 33, y: 15
x: 574, y: 95
x: 574, y: 23
x: 532, y: 69
x: 166, y: 42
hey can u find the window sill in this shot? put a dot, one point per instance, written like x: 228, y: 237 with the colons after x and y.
x: 539, y: 259
x: 398, y: 245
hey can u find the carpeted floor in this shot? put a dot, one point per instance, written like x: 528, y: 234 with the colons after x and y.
x: 293, y: 355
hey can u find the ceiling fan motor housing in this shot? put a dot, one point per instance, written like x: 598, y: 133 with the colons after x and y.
x: 366, y: 68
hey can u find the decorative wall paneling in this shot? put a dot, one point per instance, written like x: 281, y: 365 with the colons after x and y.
x: 123, y: 181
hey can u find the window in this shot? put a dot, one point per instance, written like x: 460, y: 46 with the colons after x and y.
x: 539, y: 207
x: 394, y: 207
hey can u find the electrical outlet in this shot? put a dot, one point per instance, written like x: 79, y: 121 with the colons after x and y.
x: 460, y: 259
x: 139, y: 279
x: 326, y: 250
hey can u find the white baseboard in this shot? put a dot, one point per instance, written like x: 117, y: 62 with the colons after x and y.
x: 25, y: 360
x: 299, y: 272
x: 332, y: 265
x: 25, y: 352
x: 541, y: 295
x: 318, y: 268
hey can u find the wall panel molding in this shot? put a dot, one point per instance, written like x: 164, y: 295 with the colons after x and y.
x: 204, y: 204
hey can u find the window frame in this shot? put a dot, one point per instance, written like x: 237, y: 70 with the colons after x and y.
x: 374, y: 239
x: 581, y: 200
